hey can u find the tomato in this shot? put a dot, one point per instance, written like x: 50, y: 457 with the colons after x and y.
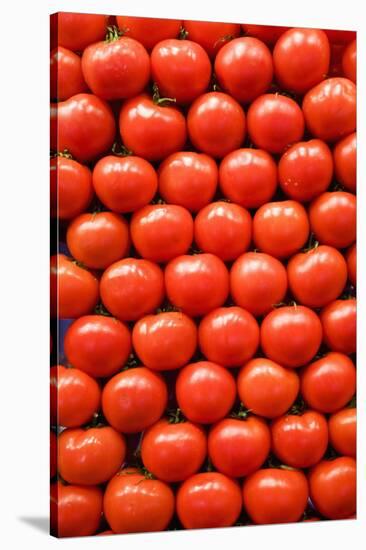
x: 165, y: 341
x: 205, y: 392
x: 76, y: 511
x: 305, y: 170
x: 160, y: 232
x: 275, y: 496
x: 134, y: 504
x: 74, y: 290
x: 329, y: 383
x: 333, y: 487
x: 76, y: 31
x: 336, y: 54
x: 238, y: 448
x: 340, y: 37
x: 188, y: 179
x: 248, y: 177
x: 197, y: 284
x: 330, y: 109
x: 228, y: 336
x: 181, y: 69
x: 97, y: 345
x: 345, y: 158
x: 342, y: 431
x: 173, y: 452
x: 317, y: 277
x: 339, y: 326
x: 268, y: 33
x: 71, y: 189
x: 65, y: 74
x: 275, y: 122
x: 291, y: 335
x: 351, y: 258
x: 301, y: 59
x: 333, y: 218
x: 258, y: 282
x: 207, y: 500
x: 267, y: 388
x: 75, y: 397
x: 349, y: 61
x: 216, y: 124
x: 90, y: 457
x: 134, y: 399
x: 148, y: 31
x: 280, y: 228
x: 211, y: 35
x: 124, y: 184
x: 223, y: 229
x: 132, y: 288
x: 151, y: 130
x: 300, y: 441
x: 53, y: 454
x: 244, y: 69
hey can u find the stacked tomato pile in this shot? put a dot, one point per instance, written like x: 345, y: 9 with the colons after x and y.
x: 203, y: 181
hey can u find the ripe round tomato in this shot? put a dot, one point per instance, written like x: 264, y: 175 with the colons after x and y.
x: 301, y: 59
x: 330, y: 109
x: 188, y: 179
x: 280, y: 228
x: 244, y: 68
x: 71, y: 189
x: 275, y: 496
x: 317, y: 277
x: 74, y: 290
x: 248, y: 177
x: 333, y: 218
x: 351, y: 258
x: 305, y: 170
x: 342, y: 431
x: 349, y: 61
x: 53, y: 454
x: 228, y: 336
x: 329, y: 383
x: 207, y: 500
x: 238, y: 448
x: 97, y: 345
x: 267, y: 33
x: 339, y: 325
x: 211, y: 35
x: 340, y: 37
x: 216, y: 124
x: 134, y: 399
x: 266, y: 388
x: 275, y: 122
x: 132, y: 288
x: 76, y: 31
x: 333, y: 487
x: 165, y: 341
x: 134, y: 504
x: 148, y: 31
x: 160, y: 232
x: 205, y: 392
x: 197, y: 284
x: 151, y: 130
x: 66, y: 77
x: 90, y: 457
x: 173, y: 452
x: 223, y: 229
x: 345, y: 157
x: 291, y: 335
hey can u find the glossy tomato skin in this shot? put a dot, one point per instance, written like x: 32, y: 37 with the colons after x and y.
x: 333, y: 218
x: 205, y: 392
x: 65, y: 74
x: 53, y: 454
x: 342, y: 431
x: 228, y: 336
x: 223, y: 229
x: 76, y: 31
x: 208, y: 499
x: 134, y: 399
x: 339, y: 325
x: 97, y: 344
x: 71, y: 189
x: 211, y: 35
x: 216, y: 124
x: 267, y: 388
x: 345, y: 158
x: 148, y: 31
x: 351, y: 258
x: 267, y: 33
x: 165, y: 341
x: 349, y: 61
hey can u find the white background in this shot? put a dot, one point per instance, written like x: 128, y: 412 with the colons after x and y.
x: 24, y: 332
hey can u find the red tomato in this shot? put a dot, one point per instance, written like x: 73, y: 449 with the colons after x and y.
x: 148, y: 31
x: 339, y: 326
x: 329, y: 383
x: 205, y: 392
x: 238, y: 448
x: 330, y: 109
x: 65, y: 74
x: 53, y: 454
x: 333, y: 487
x: 291, y: 335
x: 336, y: 54
x: 216, y: 124
x: 342, y: 431
x: 160, y: 232
x: 266, y: 388
x: 165, y: 341
x: 134, y: 399
x: 211, y: 35
x: 349, y: 61
x: 76, y: 31
x: 207, y: 500
x: 71, y: 189
x: 351, y: 258
x: 317, y: 277
x: 345, y: 158
x: 269, y: 34
x: 132, y: 288
x: 333, y: 218
x: 98, y: 345
x: 197, y: 284
x: 340, y: 37
x: 228, y: 336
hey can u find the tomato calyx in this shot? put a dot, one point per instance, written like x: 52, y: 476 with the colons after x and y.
x: 97, y: 421
x: 225, y: 38
x: 113, y: 34
x: 215, y: 87
x: 352, y: 404
x: 298, y: 408
x: 242, y: 413
x: 119, y: 150
x: 273, y: 462
x: 311, y: 245
x: 183, y: 33
x: 131, y: 363
x: 63, y: 154
x: 175, y: 416
x: 291, y: 303
x: 161, y: 101
x: 167, y: 308
x: 100, y: 309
